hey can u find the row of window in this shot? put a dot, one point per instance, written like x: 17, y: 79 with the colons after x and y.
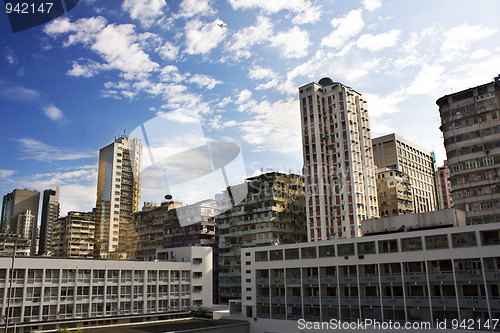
x: 463, y: 239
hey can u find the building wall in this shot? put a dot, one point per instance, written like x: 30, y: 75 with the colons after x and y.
x: 418, y: 276
x: 56, y: 289
x: 395, y: 152
x: 470, y: 122
x: 338, y: 160
x: 15, y: 203
x: 50, y: 213
x: 394, y: 192
x: 73, y: 235
x: 118, y: 195
x: 273, y: 212
x: 445, y: 187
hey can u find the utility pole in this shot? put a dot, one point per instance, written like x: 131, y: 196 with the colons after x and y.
x: 10, y: 287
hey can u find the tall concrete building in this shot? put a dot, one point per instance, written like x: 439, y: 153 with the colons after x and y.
x: 118, y: 196
x: 338, y: 160
x: 446, y: 200
x: 395, y: 152
x: 15, y: 203
x: 393, y: 192
x: 470, y: 122
x: 272, y: 213
x: 73, y: 235
x: 50, y: 213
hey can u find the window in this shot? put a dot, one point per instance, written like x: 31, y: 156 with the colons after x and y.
x: 291, y: 254
x: 464, y: 239
x: 327, y: 251
x: 308, y: 252
x: 490, y: 237
x: 436, y: 242
x: 411, y: 244
x: 276, y: 255
x: 388, y: 246
x: 261, y: 256
x: 366, y: 248
x: 345, y: 249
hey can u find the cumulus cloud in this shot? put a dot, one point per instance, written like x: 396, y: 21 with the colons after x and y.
x: 53, y: 113
x: 168, y: 51
x: 306, y: 12
x: 428, y: 80
x: 190, y: 8
x: 204, y: 81
x: 249, y: 36
x: 203, y: 37
x: 6, y: 173
x: 458, y: 40
x: 371, y: 5
x: 379, y: 42
x: 263, y: 73
x: 118, y: 45
x: 293, y: 43
x: 345, y: 28
x: 145, y: 11
x: 85, y: 68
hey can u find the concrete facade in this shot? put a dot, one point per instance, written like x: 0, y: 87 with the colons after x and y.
x: 73, y: 236
x: 338, y: 160
x: 50, y: 213
x: 470, y: 122
x: 395, y: 152
x: 393, y: 192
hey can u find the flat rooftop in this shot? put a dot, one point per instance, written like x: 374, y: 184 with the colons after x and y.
x: 176, y: 325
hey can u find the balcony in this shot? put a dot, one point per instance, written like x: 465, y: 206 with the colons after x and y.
x: 262, y: 298
x: 415, y: 277
x: 368, y: 278
x: 329, y: 300
x: 492, y: 275
x: 393, y: 301
x: 348, y: 279
x: 349, y: 300
x: 391, y: 278
x: 417, y: 301
x: 262, y: 281
x: 475, y: 275
x: 294, y: 300
x: 472, y: 302
x: 311, y: 300
x: 278, y: 281
x: 277, y: 299
x: 293, y: 281
x: 308, y: 280
x: 444, y: 301
x: 440, y: 276
x: 329, y: 279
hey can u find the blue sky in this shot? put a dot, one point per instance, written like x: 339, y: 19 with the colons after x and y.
x: 67, y: 88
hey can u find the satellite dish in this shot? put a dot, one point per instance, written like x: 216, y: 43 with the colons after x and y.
x: 168, y: 197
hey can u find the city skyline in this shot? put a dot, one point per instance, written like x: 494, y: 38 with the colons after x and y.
x: 69, y: 87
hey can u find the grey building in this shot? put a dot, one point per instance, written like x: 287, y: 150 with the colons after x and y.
x: 50, y: 213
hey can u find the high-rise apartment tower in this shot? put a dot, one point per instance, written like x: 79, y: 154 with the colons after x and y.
x: 338, y: 160
x: 395, y: 152
x: 15, y: 203
x: 470, y: 122
x: 50, y: 213
x: 118, y: 196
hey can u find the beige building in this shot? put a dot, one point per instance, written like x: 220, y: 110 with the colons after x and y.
x: 393, y: 192
x: 73, y: 235
x: 272, y: 213
x: 471, y: 130
x: 339, y: 169
x: 395, y: 152
x: 445, y: 187
x: 118, y: 196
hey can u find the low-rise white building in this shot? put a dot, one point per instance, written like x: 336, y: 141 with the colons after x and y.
x: 432, y: 275
x: 46, y: 290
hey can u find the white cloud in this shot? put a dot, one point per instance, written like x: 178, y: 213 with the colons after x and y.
x: 204, y: 81
x: 249, y: 36
x: 480, y: 54
x: 244, y: 96
x: 54, y: 113
x: 274, y: 127
x: 428, y: 80
x: 346, y: 27
x: 263, y: 73
x: 168, y: 51
x: 378, y: 42
x: 306, y: 12
x: 457, y: 41
x: 371, y: 5
x: 190, y: 8
x: 203, y: 37
x: 85, y: 68
x: 39, y: 151
x: 171, y: 73
x: 380, y: 107
x: 118, y: 45
x: 293, y: 44
x: 9, y: 56
x: 146, y: 11
x: 6, y: 173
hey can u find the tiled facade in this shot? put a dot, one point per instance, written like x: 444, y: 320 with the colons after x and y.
x: 470, y: 122
x: 338, y: 160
